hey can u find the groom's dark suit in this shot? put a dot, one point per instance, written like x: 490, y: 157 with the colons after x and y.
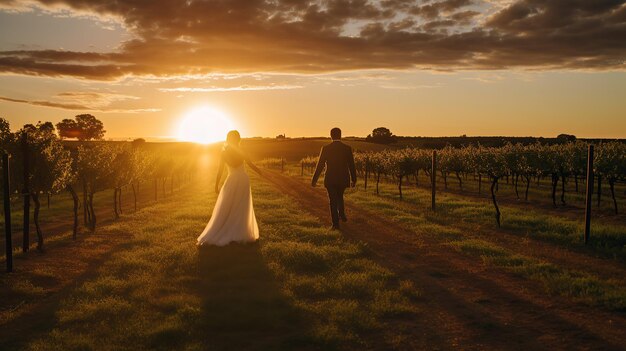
x: 338, y: 159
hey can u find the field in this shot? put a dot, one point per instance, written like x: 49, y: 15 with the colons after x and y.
x: 294, y: 149
x: 397, y: 276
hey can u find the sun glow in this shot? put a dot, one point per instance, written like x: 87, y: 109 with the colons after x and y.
x: 204, y: 125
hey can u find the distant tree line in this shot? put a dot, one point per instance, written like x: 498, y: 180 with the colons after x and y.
x: 383, y: 135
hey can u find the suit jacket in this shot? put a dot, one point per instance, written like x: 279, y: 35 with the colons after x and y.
x: 338, y: 159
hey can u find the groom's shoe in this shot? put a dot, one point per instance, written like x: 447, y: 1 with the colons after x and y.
x: 334, y: 227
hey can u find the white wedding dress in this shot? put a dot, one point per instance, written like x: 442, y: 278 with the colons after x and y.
x: 233, y: 217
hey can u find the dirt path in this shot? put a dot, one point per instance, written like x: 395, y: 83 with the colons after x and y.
x: 466, y: 304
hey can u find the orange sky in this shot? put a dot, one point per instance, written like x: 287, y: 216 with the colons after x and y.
x: 442, y: 67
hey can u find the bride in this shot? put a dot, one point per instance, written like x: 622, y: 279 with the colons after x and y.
x: 233, y: 217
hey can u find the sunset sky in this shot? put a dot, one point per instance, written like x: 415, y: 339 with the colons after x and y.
x: 430, y: 68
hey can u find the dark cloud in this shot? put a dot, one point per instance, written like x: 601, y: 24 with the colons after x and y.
x: 445, y: 23
x: 84, y: 101
x: 46, y: 103
x: 464, y: 17
x: 189, y: 37
x: 435, y: 9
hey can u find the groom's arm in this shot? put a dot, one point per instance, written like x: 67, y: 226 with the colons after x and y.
x: 321, y: 162
x: 352, y: 168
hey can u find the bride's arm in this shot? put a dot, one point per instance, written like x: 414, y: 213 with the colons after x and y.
x: 220, y: 170
x: 254, y: 167
x: 248, y: 161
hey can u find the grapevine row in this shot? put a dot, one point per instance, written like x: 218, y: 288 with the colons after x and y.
x: 42, y: 164
x: 519, y: 163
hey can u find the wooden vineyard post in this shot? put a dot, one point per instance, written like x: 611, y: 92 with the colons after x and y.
x: 302, y: 168
x: 367, y: 166
x: 282, y: 164
x: 589, y: 185
x: 7, y: 211
x: 433, y: 175
x: 599, y: 190
x: 26, y: 194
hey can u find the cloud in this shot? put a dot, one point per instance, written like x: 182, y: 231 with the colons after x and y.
x: 183, y: 38
x: 435, y: 9
x: 95, y: 99
x: 409, y: 87
x: 236, y: 88
x: 352, y: 76
x: 84, y: 101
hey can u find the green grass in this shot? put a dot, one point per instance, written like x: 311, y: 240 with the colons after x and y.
x: 449, y: 226
x: 59, y: 215
x: 299, y: 287
x: 607, y: 238
x: 538, y: 194
x: 296, y: 149
x: 556, y: 280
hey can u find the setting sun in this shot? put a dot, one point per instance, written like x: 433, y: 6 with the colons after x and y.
x: 204, y: 125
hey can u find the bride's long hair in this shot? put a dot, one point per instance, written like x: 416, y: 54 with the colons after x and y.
x: 233, y: 139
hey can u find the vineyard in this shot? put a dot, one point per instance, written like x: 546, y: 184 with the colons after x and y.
x: 43, y: 168
x: 521, y: 166
x: 136, y: 278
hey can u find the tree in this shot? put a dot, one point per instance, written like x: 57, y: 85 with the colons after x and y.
x: 85, y: 127
x: 138, y: 142
x: 122, y: 173
x: 5, y: 128
x: 5, y: 134
x: 141, y: 169
x: 611, y: 164
x: 94, y: 171
x: 491, y: 161
x: 50, y: 167
x: 73, y: 178
x: 90, y: 127
x: 68, y: 128
x: 381, y: 135
x: 566, y: 138
x: 453, y: 160
x: 45, y: 127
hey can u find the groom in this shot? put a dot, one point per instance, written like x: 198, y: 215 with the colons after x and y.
x: 338, y: 159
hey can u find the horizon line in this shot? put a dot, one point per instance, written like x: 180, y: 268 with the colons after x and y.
x: 174, y: 139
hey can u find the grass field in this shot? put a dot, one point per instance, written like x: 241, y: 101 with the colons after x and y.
x: 295, y: 149
x: 57, y: 218
x: 466, y: 226
x: 299, y: 286
x: 397, y: 276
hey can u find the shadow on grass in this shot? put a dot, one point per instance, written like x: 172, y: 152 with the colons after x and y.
x: 242, y: 305
x: 42, y: 319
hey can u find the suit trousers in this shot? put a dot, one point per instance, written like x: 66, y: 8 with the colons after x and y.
x: 335, y: 197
